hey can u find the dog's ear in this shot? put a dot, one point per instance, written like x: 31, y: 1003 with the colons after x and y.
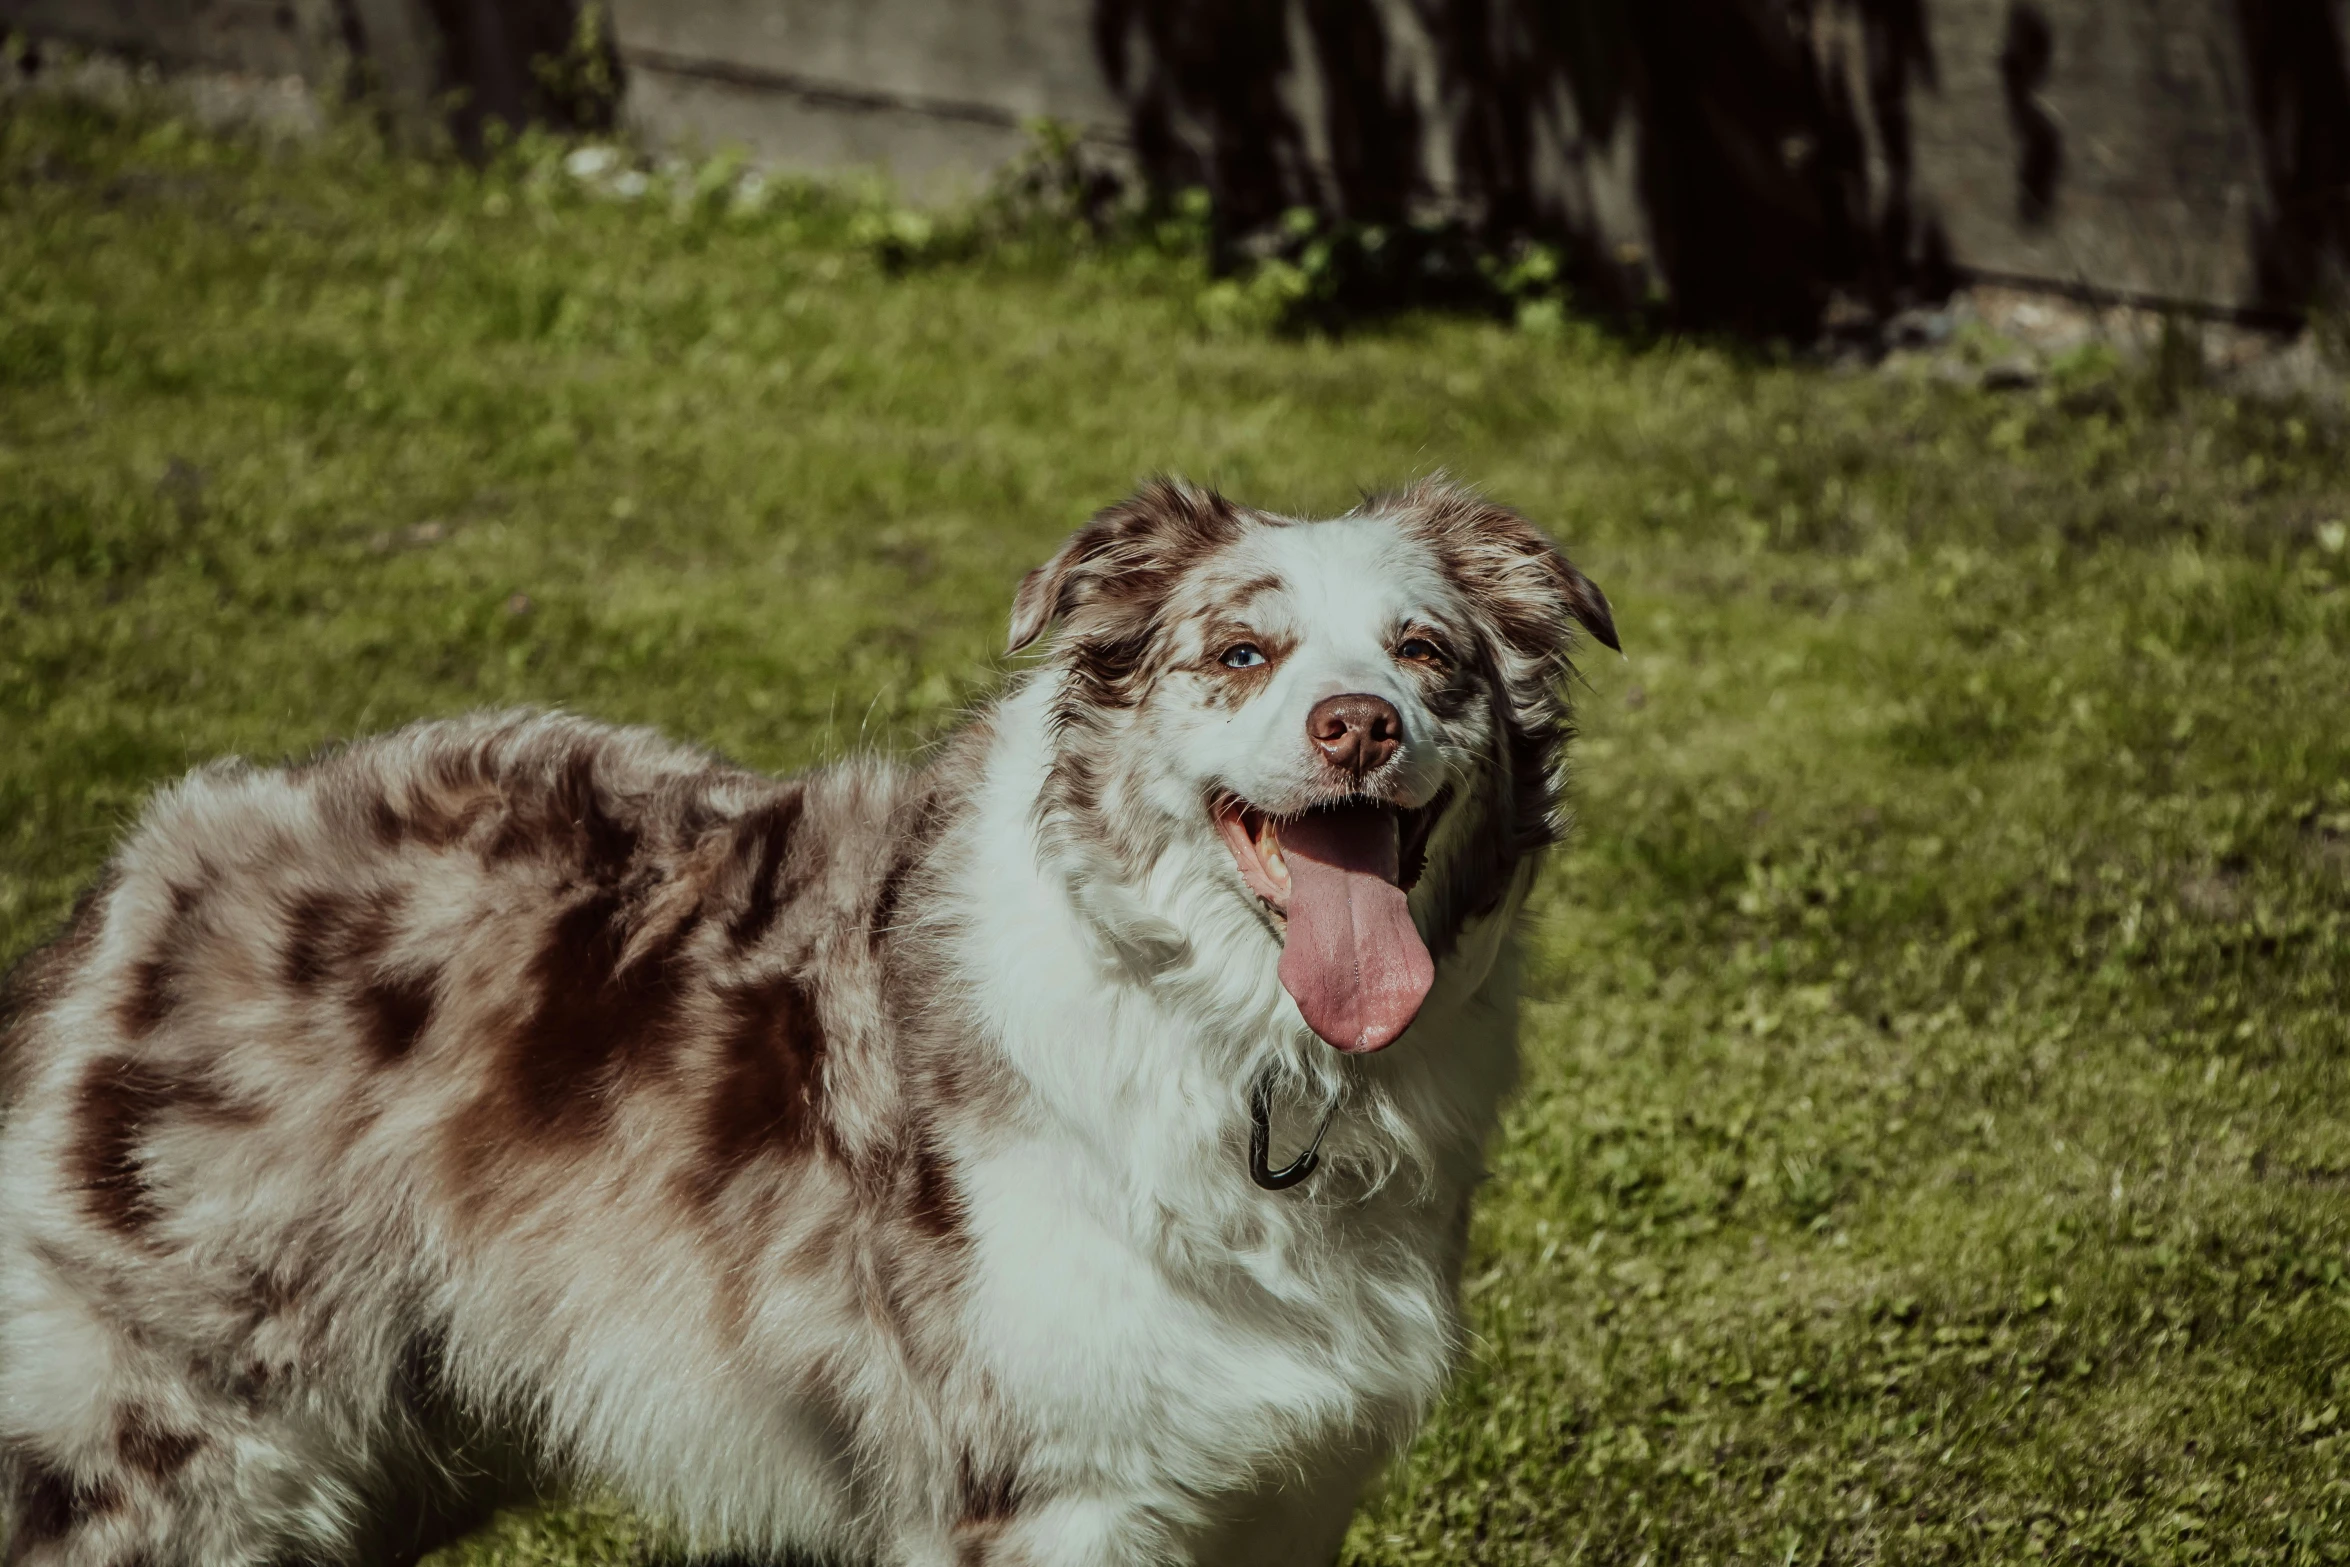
x: 1587, y: 604
x: 1128, y: 555
x: 1045, y: 592
x: 1507, y: 565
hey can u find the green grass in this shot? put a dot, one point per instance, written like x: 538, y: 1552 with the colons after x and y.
x: 1936, y: 1143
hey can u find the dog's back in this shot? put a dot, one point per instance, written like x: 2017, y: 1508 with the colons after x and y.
x: 349, y: 1077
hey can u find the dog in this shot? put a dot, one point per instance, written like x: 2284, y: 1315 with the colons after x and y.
x: 1059, y: 1153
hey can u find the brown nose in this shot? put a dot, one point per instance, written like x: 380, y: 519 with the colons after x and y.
x: 1358, y: 733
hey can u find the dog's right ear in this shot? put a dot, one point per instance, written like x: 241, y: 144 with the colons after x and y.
x: 1128, y: 554
x: 1043, y: 592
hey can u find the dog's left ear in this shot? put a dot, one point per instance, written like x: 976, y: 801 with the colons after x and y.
x: 1127, y: 555
x: 1509, y: 565
x: 1533, y: 620
x: 1586, y: 603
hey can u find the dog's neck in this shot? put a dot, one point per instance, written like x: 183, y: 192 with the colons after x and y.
x: 1141, y: 1007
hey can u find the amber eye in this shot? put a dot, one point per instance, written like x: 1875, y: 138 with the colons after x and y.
x: 1419, y: 650
x: 1242, y: 655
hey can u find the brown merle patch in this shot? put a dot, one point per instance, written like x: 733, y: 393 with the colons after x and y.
x: 1109, y: 670
x: 148, y: 1446
x: 988, y: 1495
x: 148, y: 1001
x: 454, y: 791
x: 394, y: 1010
x: 313, y: 922
x: 990, y: 1498
x: 893, y: 892
x: 768, y: 1097
x: 121, y: 1101
x: 934, y: 1203
x: 155, y: 979
x: 914, y: 845
x: 762, y: 840
x: 51, y: 1504
x: 331, y: 933
x: 570, y: 819
x: 1534, y: 755
x: 1239, y: 594
x: 593, y: 1016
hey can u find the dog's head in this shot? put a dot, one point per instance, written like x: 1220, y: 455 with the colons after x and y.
x: 1364, y: 715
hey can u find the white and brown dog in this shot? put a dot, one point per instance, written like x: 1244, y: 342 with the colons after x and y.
x: 896, y: 1166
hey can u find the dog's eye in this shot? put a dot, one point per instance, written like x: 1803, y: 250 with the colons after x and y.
x: 1242, y: 655
x: 1419, y: 650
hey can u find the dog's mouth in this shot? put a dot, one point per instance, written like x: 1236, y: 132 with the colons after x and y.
x: 1339, y: 877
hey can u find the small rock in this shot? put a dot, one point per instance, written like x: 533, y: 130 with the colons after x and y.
x: 1919, y: 327
x: 590, y: 163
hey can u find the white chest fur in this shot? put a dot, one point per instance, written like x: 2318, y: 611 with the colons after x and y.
x: 1135, y: 1300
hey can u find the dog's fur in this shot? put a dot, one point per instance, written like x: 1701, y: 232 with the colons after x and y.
x: 854, y: 1164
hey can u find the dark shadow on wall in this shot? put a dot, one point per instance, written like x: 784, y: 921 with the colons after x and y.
x: 1731, y: 128
x: 2300, y: 92
x: 2027, y: 52
x: 1905, y: 256
x: 524, y: 62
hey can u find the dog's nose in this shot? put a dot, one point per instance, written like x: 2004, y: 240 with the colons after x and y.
x: 1358, y: 733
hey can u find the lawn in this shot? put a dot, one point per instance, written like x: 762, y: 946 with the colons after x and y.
x: 1936, y: 1137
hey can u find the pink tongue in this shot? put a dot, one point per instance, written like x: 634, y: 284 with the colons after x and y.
x: 1354, y: 962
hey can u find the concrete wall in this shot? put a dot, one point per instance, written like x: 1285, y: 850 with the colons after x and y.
x: 934, y: 94
x: 414, y: 56
x: 1748, y: 157
x: 2112, y: 143
x: 256, y: 37
x: 2133, y: 146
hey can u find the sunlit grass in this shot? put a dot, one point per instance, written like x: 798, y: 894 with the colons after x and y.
x: 1936, y: 1141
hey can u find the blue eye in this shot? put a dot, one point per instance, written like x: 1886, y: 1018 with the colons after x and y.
x: 1242, y: 655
